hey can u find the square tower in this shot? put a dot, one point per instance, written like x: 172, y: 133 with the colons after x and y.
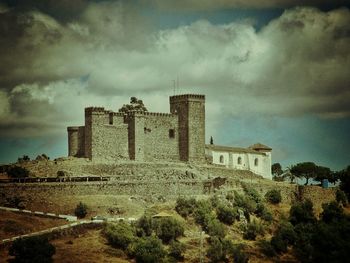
x: 190, y: 109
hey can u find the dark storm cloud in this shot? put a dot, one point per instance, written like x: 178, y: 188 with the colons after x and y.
x: 60, y: 9
x: 205, y: 5
x: 51, y: 69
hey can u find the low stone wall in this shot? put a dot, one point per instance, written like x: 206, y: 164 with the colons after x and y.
x: 33, y: 191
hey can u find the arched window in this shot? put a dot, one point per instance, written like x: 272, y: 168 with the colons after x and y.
x: 256, y: 162
x: 221, y: 159
x: 239, y: 160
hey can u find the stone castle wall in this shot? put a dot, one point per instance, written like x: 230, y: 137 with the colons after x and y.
x: 143, y: 136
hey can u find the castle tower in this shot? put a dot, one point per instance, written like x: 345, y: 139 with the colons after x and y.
x: 191, y: 111
x: 136, y: 136
x: 76, y: 141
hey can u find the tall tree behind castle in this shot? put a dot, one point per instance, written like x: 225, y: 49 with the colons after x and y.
x: 135, y: 105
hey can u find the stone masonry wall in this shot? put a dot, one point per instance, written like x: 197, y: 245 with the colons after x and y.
x: 157, y: 141
x: 191, y: 111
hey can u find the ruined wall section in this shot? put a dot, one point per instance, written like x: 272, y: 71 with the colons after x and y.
x: 106, y: 135
x: 191, y: 111
x: 76, y: 141
x: 161, y: 137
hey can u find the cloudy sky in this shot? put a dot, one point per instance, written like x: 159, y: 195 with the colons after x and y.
x: 273, y: 71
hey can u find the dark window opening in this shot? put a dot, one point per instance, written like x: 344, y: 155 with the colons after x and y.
x: 239, y: 160
x: 256, y: 162
x: 221, y: 159
x: 171, y: 133
x: 111, y: 119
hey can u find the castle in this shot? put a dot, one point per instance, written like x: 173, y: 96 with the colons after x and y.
x: 147, y: 136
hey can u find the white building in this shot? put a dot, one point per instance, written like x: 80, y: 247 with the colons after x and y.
x: 256, y: 158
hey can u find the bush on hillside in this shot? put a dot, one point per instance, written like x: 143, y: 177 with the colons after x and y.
x: 215, y: 251
x: 251, y: 193
x: 253, y: 229
x: 144, y: 226
x: 341, y: 197
x: 119, y: 235
x: 32, y: 249
x: 302, y: 212
x: 238, y: 254
x: 17, y: 172
x: 176, y: 250
x: 216, y: 228
x: 149, y: 250
x: 81, y: 210
x: 203, y: 212
x: 227, y: 215
x: 168, y: 228
x: 262, y: 212
x: 248, y: 204
x: 273, y: 196
x: 185, y: 207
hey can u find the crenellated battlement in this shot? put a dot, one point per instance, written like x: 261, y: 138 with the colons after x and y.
x: 146, y: 113
x: 187, y: 96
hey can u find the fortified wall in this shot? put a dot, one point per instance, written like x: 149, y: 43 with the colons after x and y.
x: 143, y: 136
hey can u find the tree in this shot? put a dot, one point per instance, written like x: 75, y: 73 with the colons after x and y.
x: 344, y: 177
x: 81, y: 210
x: 135, y: 105
x: 17, y: 172
x: 31, y: 250
x: 323, y: 173
x: 305, y: 170
x: 211, y: 140
x: 276, y: 169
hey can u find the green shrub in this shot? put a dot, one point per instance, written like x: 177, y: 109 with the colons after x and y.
x: 144, y: 226
x: 81, y: 210
x: 252, y: 230
x: 176, y: 250
x: 149, y: 250
x: 168, y: 228
x: 215, y: 201
x: 332, y: 212
x: 267, y: 248
x: 238, y: 254
x: 216, y: 228
x: 202, y: 212
x: 32, y: 249
x: 185, y: 207
x: 227, y: 215
x: 262, y: 212
x: 17, y: 172
x: 245, y: 202
x: 119, y: 235
x: 341, y: 197
x: 273, y: 196
x: 302, y: 212
x: 215, y: 251
x: 251, y: 193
